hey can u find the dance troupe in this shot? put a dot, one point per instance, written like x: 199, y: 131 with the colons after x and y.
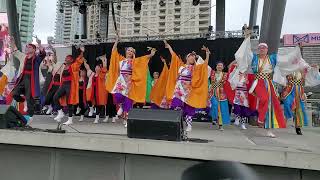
x: 188, y: 85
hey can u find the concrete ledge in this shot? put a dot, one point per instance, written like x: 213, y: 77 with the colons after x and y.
x: 258, y: 155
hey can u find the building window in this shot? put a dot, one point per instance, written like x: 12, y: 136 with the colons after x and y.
x: 154, y: 6
x: 145, y: 13
x: 153, y: 13
x: 170, y: 11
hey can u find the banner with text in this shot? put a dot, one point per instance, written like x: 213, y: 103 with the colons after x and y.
x: 306, y: 39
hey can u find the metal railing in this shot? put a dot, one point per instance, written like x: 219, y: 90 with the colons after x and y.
x: 209, y: 36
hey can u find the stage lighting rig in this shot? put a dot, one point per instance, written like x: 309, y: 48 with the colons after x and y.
x: 137, y: 6
x: 195, y: 2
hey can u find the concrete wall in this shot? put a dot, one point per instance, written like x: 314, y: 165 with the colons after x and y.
x: 34, y: 163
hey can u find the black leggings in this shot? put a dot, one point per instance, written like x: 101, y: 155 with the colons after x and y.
x: 82, y: 105
x: 63, y: 90
x: 111, y: 109
x: 24, y: 87
x: 50, y: 94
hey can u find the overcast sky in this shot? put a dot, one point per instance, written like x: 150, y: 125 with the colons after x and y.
x: 300, y: 16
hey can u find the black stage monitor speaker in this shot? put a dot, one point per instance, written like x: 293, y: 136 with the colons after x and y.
x: 155, y: 124
x: 11, y: 118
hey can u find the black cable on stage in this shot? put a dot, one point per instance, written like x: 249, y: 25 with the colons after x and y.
x: 80, y: 132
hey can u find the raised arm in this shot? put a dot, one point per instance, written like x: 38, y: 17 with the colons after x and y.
x: 80, y: 59
x: 167, y: 45
x: 207, y: 54
x: 116, y: 42
x: 15, y: 52
x: 312, y: 77
x: 152, y: 53
x: 42, y: 52
x: 163, y: 60
x: 86, y: 65
x: 244, y: 55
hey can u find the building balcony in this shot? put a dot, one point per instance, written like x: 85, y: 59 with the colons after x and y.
x: 204, y: 15
x: 205, y: 3
x: 162, y: 24
x: 201, y: 22
x: 137, y: 18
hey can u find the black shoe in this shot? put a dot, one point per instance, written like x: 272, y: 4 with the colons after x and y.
x: 298, y: 131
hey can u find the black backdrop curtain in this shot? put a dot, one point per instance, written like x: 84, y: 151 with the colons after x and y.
x: 221, y: 50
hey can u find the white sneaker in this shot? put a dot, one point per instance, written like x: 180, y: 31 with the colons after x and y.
x: 69, y: 121
x: 113, y: 119
x: 59, y: 116
x: 106, y: 119
x: 270, y: 134
x: 237, y: 121
x: 81, y: 118
x: 25, y: 106
x: 125, y: 123
x: 49, y: 111
x: 120, y: 111
x: 44, y: 108
x: 90, y: 112
x: 96, y: 120
x: 221, y: 128
x: 243, y: 126
x: 78, y: 110
x: 116, y: 118
x: 189, y: 128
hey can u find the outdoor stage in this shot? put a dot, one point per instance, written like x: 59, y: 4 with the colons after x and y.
x: 249, y: 146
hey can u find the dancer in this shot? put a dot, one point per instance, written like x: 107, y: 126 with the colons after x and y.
x: 157, y: 94
x: 219, y: 103
x: 52, y: 84
x: 127, y: 79
x: 294, y: 97
x: 68, y: 92
x: 187, y: 86
x: 264, y: 66
x: 240, y: 99
x: 28, y: 83
x: 81, y: 109
x: 96, y: 92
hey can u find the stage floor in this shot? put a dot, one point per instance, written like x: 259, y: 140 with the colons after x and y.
x: 248, y: 146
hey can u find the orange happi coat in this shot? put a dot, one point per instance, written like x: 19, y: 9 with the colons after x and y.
x: 99, y: 96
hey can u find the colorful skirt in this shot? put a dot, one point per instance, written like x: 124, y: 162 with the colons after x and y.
x: 126, y: 102
x: 243, y: 111
x: 187, y: 110
x: 294, y: 107
x: 220, y: 111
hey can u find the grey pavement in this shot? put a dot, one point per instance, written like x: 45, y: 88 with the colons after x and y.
x: 231, y: 136
x: 249, y: 146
